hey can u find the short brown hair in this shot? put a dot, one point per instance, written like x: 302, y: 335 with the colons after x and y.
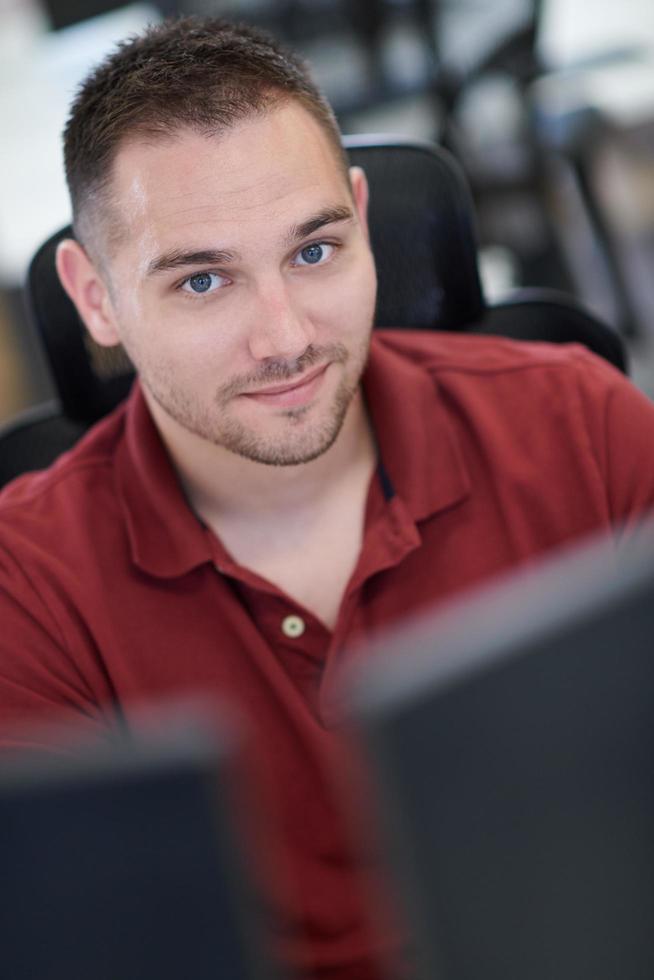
x: 200, y: 73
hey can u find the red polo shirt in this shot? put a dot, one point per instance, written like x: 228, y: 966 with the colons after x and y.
x: 112, y: 591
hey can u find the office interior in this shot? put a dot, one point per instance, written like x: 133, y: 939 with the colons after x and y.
x: 547, y: 106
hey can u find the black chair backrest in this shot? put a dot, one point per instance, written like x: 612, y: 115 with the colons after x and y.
x: 89, y: 380
x: 422, y: 233
x: 424, y: 239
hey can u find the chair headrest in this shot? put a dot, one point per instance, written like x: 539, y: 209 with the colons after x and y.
x: 423, y: 235
x: 423, y: 238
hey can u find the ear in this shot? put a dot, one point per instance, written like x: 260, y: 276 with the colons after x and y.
x: 87, y: 290
x: 359, y: 183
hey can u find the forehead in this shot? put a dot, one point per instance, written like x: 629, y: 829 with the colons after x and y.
x: 269, y: 168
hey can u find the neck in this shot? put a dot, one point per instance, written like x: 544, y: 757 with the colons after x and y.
x: 219, y: 483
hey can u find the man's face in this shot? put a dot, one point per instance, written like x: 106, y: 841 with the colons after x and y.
x: 244, y: 287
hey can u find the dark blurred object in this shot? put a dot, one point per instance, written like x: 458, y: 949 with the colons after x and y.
x: 347, y: 43
x: 513, y: 737
x: 122, y: 862
x: 64, y: 13
x: 515, y: 177
x: 423, y: 237
x: 569, y: 128
x: 24, y: 375
x: 486, y: 124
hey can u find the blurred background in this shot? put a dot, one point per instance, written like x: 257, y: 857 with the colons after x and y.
x: 548, y: 105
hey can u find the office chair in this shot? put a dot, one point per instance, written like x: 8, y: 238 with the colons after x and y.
x: 423, y: 236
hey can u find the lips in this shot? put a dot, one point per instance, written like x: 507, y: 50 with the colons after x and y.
x: 290, y: 385
x: 291, y: 392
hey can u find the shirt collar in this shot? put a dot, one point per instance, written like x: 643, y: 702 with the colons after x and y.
x: 417, y: 445
x: 166, y: 537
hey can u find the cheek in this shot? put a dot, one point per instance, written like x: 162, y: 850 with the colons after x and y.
x: 347, y: 302
x: 356, y: 301
x: 165, y: 330
x: 360, y: 284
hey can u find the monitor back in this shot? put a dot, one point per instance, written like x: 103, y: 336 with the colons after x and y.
x: 124, y: 864
x: 513, y: 736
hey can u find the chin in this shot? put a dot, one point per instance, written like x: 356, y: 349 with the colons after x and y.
x: 304, y: 439
x: 292, y: 450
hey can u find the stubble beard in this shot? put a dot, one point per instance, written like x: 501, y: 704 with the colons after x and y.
x: 302, y: 440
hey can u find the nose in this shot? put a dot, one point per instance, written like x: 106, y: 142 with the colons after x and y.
x: 279, y: 329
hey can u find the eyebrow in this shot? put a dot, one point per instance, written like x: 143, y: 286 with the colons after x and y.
x: 181, y: 258
x: 178, y: 258
x: 328, y: 216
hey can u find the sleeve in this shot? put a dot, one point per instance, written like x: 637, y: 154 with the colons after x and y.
x: 621, y: 422
x: 46, y: 703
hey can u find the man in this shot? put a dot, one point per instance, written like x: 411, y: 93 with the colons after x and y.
x: 277, y: 487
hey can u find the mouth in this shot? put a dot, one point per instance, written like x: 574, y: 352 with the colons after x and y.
x: 290, y: 393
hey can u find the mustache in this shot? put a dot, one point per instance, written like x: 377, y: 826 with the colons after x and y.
x: 278, y: 370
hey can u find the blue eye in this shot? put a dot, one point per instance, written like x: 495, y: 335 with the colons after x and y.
x: 202, y: 283
x: 314, y: 254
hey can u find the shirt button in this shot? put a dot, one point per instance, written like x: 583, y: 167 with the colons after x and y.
x: 293, y: 626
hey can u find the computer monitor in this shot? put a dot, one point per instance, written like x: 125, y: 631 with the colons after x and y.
x: 123, y: 864
x: 513, y: 738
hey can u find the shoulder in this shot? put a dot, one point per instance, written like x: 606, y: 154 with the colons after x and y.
x: 557, y: 406
x: 537, y: 377
x: 562, y: 379
x: 46, y: 502
x: 481, y: 355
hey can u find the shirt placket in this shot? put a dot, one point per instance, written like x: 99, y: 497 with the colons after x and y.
x: 297, y: 640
